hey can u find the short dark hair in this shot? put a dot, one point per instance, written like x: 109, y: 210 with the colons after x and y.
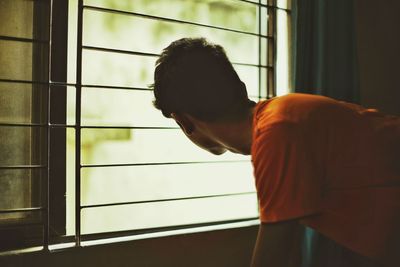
x: 196, y: 77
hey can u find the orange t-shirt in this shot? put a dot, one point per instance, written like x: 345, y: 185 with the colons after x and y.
x: 335, y: 166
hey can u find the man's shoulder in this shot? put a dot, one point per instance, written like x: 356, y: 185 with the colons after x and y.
x: 294, y: 109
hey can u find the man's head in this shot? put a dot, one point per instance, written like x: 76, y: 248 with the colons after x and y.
x: 195, y: 77
x: 194, y: 83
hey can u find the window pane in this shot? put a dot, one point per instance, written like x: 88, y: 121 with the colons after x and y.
x: 20, y: 188
x: 19, y: 16
x: 12, y: 54
x: 15, y: 103
x: 222, y: 13
x: 282, y: 55
x: 137, y: 183
x: 121, y: 107
x: 104, y: 68
x: 22, y: 104
x: 264, y: 20
x: 151, y: 215
x: 264, y: 49
x: 117, y: 107
x: 264, y: 79
x: 70, y: 188
x: 71, y: 105
x: 249, y: 75
x: 117, y: 146
x: 16, y: 187
x: 146, y: 35
x: 16, y: 145
x: 286, y: 4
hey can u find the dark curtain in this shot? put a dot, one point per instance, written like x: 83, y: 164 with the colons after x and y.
x: 325, y: 63
x: 324, y: 49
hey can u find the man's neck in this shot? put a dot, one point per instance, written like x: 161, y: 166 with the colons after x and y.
x: 236, y: 136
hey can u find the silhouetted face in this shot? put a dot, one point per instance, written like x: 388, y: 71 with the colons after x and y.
x: 206, y: 142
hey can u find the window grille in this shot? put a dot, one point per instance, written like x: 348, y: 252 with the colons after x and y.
x: 63, y: 129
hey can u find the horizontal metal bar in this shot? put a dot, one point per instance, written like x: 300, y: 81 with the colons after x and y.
x: 157, y: 230
x: 73, y: 85
x: 265, y: 5
x: 159, y: 163
x: 87, y: 126
x: 8, y: 167
x: 119, y: 51
x: 104, y: 86
x: 122, y: 12
x: 22, y: 39
x: 35, y: 209
x: 62, y: 126
x: 52, y: 83
x: 165, y: 200
x: 253, y: 65
x: 116, y: 87
x: 4, y: 124
x: 23, y: 81
x: 129, y: 127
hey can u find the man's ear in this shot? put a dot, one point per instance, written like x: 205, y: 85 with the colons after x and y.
x: 184, y: 122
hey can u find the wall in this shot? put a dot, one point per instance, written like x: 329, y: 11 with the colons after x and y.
x: 378, y: 45
x: 222, y: 248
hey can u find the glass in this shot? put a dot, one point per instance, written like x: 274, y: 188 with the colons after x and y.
x: 264, y: 81
x: 15, y: 60
x: 22, y: 104
x: 286, y: 4
x: 16, y: 103
x: 72, y: 41
x: 249, y: 75
x: 222, y: 13
x: 138, y: 183
x: 70, y: 186
x: 16, y: 187
x: 121, y: 108
x: 71, y: 105
x: 151, y: 36
x: 18, y: 145
x: 19, y: 16
x: 282, y: 53
x: 118, y: 146
x: 171, y: 213
x: 105, y: 68
x: 117, y: 107
x: 264, y: 21
x: 264, y: 49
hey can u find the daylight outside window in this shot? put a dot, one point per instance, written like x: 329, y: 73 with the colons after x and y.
x: 91, y: 155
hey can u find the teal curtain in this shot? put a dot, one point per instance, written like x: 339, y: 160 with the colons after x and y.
x: 324, y: 49
x: 325, y: 63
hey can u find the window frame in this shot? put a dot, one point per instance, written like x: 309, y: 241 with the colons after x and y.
x: 36, y: 226
x: 52, y: 228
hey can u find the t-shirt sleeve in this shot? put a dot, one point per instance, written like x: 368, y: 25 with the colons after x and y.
x: 288, y: 180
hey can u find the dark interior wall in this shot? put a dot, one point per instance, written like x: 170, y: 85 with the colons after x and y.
x: 223, y: 248
x: 378, y: 47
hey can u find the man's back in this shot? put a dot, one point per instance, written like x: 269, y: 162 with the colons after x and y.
x: 332, y: 164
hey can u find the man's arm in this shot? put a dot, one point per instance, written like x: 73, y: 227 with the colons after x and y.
x: 278, y: 245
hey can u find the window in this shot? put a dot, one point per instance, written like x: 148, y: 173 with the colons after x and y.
x: 90, y: 133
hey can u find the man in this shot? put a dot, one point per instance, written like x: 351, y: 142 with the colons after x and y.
x: 318, y: 162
